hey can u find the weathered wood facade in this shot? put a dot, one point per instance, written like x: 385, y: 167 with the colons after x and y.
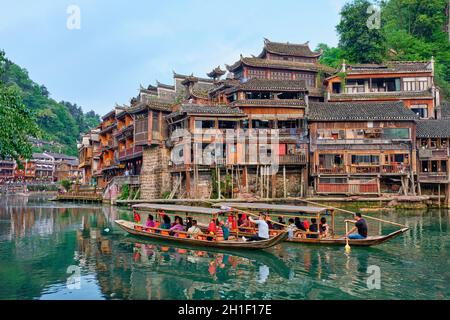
x: 362, y: 148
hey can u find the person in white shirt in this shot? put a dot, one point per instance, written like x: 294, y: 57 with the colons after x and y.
x: 263, y: 228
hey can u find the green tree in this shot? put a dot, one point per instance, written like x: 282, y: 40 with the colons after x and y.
x: 18, y: 122
x: 357, y: 41
x: 331, y: 56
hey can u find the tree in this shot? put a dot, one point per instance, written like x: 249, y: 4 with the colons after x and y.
x: 331, y: 56
x: 358, y: 42
x: 17, y: 122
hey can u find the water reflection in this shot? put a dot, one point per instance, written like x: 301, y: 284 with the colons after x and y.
x: 39, y: 240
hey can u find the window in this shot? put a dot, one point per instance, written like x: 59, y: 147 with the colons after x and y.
x: 254, y: 73
x: 260, y: 124
x: 421, y: 110
x: 205, y: 124
x: 278, y: 75
x: 223, y: 124
x: 396, y: 133
x: 415, y: 84
x: 366, y: 159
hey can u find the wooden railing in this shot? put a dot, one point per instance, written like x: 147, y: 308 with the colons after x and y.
x: 347, y: 188
x: 366, y: 169
x: 434, y: 176
x: 429, y: 153
x: 130, y: 153
x: 293, y: 159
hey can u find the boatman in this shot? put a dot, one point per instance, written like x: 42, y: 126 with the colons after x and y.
x: 361, y: 226
x: 263, y: 229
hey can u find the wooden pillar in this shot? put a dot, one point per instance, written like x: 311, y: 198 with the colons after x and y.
x: 439, y: 194
x: 188, y: 183
x: 284, y: 182
x: 447, y: 195
x: 379, y: 186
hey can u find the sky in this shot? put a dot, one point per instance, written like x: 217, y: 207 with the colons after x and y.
x: 121, y: 45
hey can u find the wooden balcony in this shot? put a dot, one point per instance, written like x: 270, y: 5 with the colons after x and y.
x: 130, y: 153
x: 434, y: 177
x: 334, y: 170
x: 347, y: 188
x: 293, y: 159
x: 392, y: 169
x: 434, y: 153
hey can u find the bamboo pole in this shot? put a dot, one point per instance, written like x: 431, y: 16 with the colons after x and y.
x: 351, y: 212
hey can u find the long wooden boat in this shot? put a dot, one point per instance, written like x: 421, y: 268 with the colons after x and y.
x: 315, y: 212
x: 160, y: 234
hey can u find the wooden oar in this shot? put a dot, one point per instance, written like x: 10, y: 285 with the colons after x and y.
x: 347, y: 245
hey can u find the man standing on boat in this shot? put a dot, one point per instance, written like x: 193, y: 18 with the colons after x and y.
x: 263, y: 228
x: 361, y: 226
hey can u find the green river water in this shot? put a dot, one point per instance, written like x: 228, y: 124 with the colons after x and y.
x: 45, y: 246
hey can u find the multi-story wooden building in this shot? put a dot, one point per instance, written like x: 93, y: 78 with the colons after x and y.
x: 109, y: 163
x: 6, y: 170
x: 89, y: 151
x: 362, y: 148
x: 408, y: 81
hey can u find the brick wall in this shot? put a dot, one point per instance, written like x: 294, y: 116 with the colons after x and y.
x: 155, y: 177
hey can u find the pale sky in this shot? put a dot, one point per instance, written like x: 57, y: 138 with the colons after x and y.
x: 121, y: 45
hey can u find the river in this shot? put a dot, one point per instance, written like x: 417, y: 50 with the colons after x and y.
x: 54, y: 250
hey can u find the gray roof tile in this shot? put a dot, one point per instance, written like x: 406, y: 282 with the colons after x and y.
x: 360, y: 111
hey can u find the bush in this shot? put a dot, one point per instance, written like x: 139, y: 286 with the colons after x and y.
x: 66, y: 184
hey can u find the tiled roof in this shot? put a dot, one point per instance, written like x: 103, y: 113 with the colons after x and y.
x: 360, y: 111
x: 445, y: 110
x: 189, y: 109
x: 290, y: 49
x: 380, y: 95
x: 154, y: 104
x: 109, y: 114
x: 280, y: 64
x: 164, y: 86
x: 216, y: 72
x: 271, y: 85
x: 433, y: 128
x: 391, y: 67
x: 271, y: 103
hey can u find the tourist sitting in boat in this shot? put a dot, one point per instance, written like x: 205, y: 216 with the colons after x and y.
x: 263, y: 229
x: 323, y: 227
x: 150, y: 222
x: 299, y: 224
x: 305, y: 225
x: 278, y: 226
x: 245, y: 224
x: 194, y: 230
x: 137, y: 217
x: 188, y: 223
x: 360, y: 226
x: 291, y: 228
x: 178, y: 226
x: 225, y: 230
x: 166, y: 222
x: 232, y: 222
x: 313, y: 228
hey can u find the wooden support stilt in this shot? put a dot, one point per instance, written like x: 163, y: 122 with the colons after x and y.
x: 439, y: 194
x: 379, y: 186
x: 218, y: 183
x: 284, y: 182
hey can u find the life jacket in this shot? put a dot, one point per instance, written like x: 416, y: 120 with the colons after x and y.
x: 306, y: 224
x: 137, y: 217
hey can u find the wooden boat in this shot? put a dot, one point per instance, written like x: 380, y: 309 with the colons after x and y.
x: 183, y: 237
x: 311, y: 212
